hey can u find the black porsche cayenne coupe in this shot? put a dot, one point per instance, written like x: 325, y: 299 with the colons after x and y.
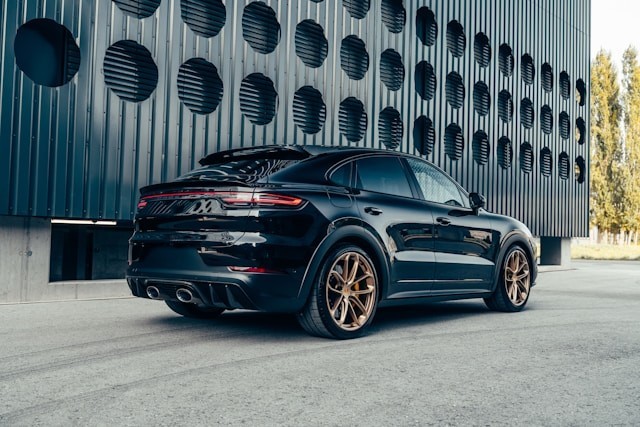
x: 330, y: 234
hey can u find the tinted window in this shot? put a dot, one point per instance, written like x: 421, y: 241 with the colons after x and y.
x: 243, y: 170
x: 342, y: 176
x: 435, y: 185
x: 383, y: 175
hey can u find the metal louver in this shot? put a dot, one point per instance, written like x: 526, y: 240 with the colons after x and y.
x: 130, y: 71
x: 205, y: 17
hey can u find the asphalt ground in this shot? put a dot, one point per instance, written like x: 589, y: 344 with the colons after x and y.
x: 572, y: 358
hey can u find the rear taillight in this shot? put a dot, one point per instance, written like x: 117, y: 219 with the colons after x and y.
x: 261, y: 199
x: 231, y: 198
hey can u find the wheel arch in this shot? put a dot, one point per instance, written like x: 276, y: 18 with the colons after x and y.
x: 354, y: 235
x: 515, y: 238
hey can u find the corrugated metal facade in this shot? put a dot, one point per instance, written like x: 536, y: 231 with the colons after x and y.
x: 492, y: 91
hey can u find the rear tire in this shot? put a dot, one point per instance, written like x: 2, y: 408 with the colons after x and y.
x: 344, y: 297
x: 514, y: 283
x: 194, y: 311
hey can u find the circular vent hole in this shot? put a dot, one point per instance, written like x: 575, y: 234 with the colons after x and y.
x: 424, y: 135
x: 527, y: 114
x: 352, y: 119
x: 205, y: 17
x: 456, y: 40
x: 563, y: 165
x: 526, y: 158
x: 311, y: 44
x: 390, y: 128
x: 505, y: 106
x: 260, y: 27
x: 357, y: 8
x: 426, y: 26
x: 528, y: 69
x: 138, y: 8
x: 481, y: 98
x: 258, y: 99
x: 579, y: 169
x: 481, y: 149
x: 565, y: 85
x: 354, y: 58
x: 455, y: 90
x: 547, y: 77
x: 391, y: 69
x: 506, y: 60
x: 453, y: 141
x: 482, y: 50
x: 199, y: 86
x: 581, y: 129
x: 46, y: 52
x: 425, y: 80
x: 309, y: 110
x: 581, y: 92
x: 546, y: 119
x: 564, y: 125
x: 505, y: 152
x: 545, y: 162
x: 394, y: 15
x: 129, y: 71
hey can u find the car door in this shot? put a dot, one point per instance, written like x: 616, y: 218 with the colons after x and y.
x: 464, y: 242
x: 388, y: 203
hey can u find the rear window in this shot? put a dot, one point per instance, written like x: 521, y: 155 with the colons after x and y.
x: 239, y: 170
x: 246, y: 165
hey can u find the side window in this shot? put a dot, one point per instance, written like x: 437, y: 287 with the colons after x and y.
x: 342, y: 175
x: 383, y: 174
x: 435, y: 185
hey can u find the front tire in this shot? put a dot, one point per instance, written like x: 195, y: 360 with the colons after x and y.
x: 194, y: 311
x: 344, y: 298
x: 514, y: 283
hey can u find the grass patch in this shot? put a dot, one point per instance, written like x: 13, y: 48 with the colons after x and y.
x: 605, y: 252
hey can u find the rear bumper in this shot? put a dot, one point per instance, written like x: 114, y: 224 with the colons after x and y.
x: 223, y: 289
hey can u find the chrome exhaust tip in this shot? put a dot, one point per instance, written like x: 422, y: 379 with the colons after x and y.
x: 153, y: 292
x: 184, y: 295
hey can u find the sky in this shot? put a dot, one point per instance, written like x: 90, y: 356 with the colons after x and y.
x: 615, y: 26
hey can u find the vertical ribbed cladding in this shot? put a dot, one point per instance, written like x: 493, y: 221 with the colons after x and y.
x: 93, y: 148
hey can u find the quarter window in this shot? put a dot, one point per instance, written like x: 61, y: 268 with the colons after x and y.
x: 435, y: 185
x: 342, y: 176
x: 383, y: 174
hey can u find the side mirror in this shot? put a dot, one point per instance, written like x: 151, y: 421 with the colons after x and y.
x: 477, y: 201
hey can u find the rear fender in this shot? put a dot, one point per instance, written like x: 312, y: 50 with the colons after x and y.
x: 346, y: 230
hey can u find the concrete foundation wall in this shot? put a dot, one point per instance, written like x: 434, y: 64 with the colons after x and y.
x: 25, y: 246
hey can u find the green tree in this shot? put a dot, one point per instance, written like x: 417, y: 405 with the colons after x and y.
x: 606, y: 146
x: 631, y: 160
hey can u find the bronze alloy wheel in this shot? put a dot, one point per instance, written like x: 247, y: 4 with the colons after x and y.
x: 517, y: 277
x: 351, y: 291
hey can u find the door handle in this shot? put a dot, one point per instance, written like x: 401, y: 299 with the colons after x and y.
x: 372, y: 211
x: 443, y: 221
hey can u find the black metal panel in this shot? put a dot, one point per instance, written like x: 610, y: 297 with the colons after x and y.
x: 495, y: 92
